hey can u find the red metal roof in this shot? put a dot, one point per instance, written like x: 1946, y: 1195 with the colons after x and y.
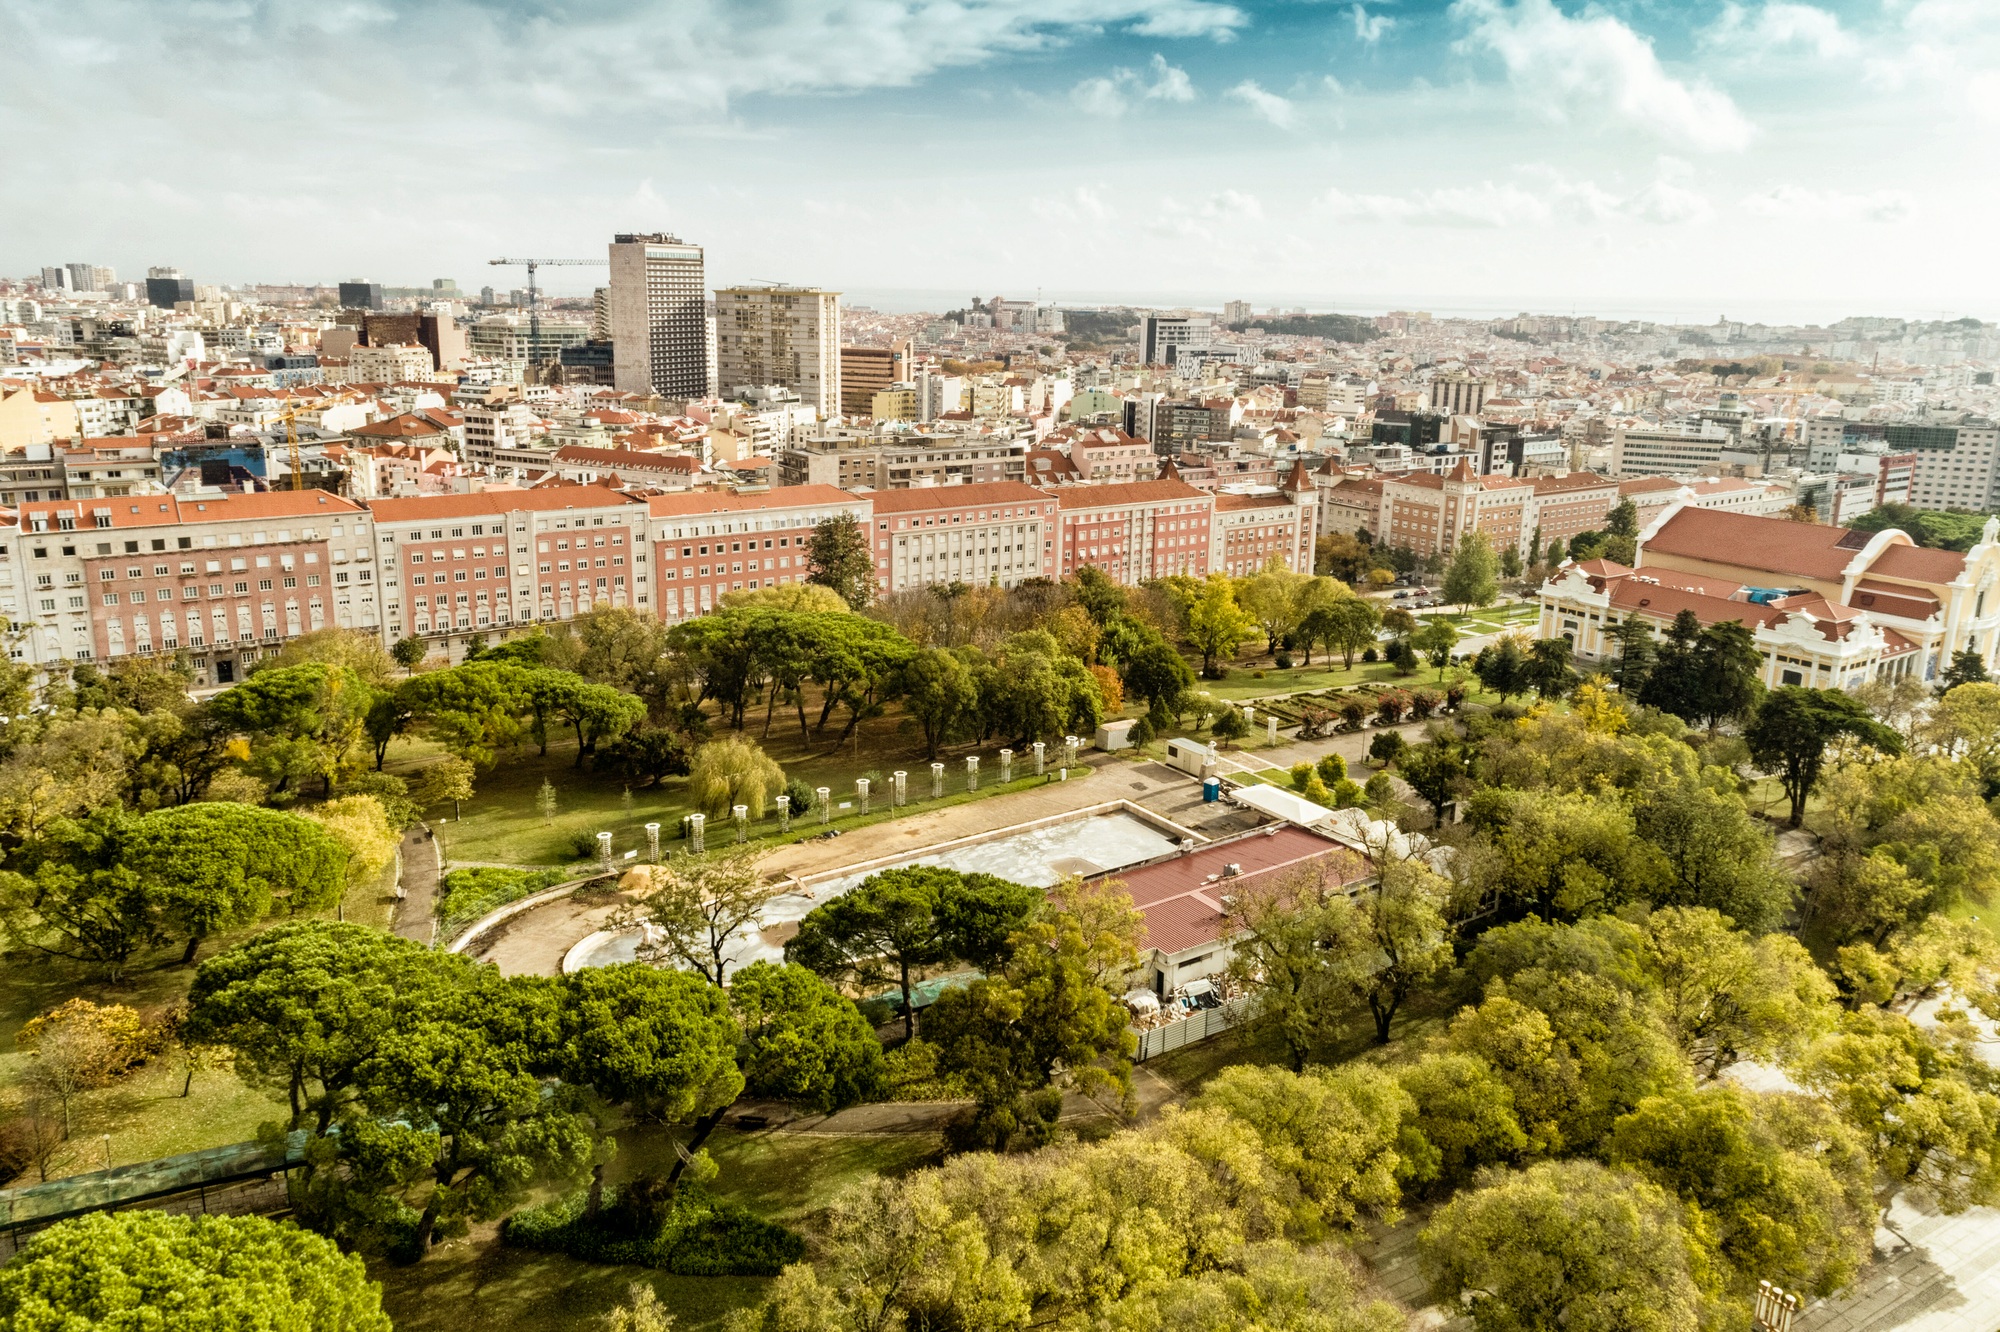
x: 1180, y: 896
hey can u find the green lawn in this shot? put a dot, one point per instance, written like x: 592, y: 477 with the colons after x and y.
x: 503, y: 826
x: 785, y: 1177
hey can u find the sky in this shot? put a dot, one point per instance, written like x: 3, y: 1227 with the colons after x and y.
x: 1760, y: 159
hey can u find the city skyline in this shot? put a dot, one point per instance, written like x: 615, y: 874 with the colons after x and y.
x: 1766, y: 161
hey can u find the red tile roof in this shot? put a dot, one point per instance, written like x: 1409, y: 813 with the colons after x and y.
x: 784, y: 497
x: 1181, y: 896
x: 1920, y: 564
x: 919, y: 498
x: 1129, y: 492
x: 1750, y: 541
x: 430, y: 508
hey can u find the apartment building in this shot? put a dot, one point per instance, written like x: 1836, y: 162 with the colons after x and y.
x: 224, y: 579
x: 706, y: 545
x: 1137, y: 530
x: 1254, y: 523
x: 1654, y: 495
x: 659, y: 316
x: 1669, y: 450
x: 789, y: 336
x: 498, y: 425
x: 1564, y: 506
x: 1105, y: 453
x: 30, y: 473
x: 391, y: 364
x: 867, y: 371
x: 1000, y: 532
x: 108, y: 467
x: 900, y: 461
x: 1428, y: 513
x: 453, y: 566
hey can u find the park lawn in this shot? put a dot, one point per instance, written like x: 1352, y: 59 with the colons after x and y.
x: 477, y: 1282
x: 784, y: 1177
x: 503, y: 827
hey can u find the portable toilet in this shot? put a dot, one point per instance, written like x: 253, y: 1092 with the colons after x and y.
x: 1211, y: 790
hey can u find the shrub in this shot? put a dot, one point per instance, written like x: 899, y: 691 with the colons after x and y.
x: 1142, y: 733
x: 1229, y: 724
x: 1386, y: 747
x: 688, y: 1233
x: 802, y: 796
x: 1369, y: 654
x: 1256, y: 675
x: 911, y: 1073
x: 1302, y: 773
x: 1332, y: 769
x: 468, y: 894
x: 1346, y: 794
x: 1283, y: 661
x: 1391, y: 706
x: 1422, y: 704
x: 581, y: 845
x: 1353, y: 713
x: 1315, y: 791
x: 1379, y: 791
x: 391, y: 791
x: 1454, y: 697
x: 1405, y: 657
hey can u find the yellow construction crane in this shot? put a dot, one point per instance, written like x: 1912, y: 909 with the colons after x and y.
x: 534, y: 307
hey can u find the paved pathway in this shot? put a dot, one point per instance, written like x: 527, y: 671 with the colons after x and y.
x: 416, y: 912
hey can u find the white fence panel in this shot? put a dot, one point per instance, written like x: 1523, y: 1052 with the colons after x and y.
x: 1196, y: 1026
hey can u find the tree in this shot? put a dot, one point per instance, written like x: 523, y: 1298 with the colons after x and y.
x: 1436, y: 770
x: 459, y: 1123
x: 697, y: 906
x: 1510, y: 561
x: 1794, y: 725
x: 218, y: 867
x: 545, y: 801
x: 1216, y: 625
x: 1272, y: 597
x: 85, y: 913
x: 1396, y: 938
x: 1623, y: 520
x: 65, y: 767
x: 79, y: 1046
x: 939, y: 695
x: 306, y: 1005
x: 1044, y: 1024
x: 661, y: 1040
x: 1567, y: 1245
x: 1286, y: 936
x: 1102, y: 599
x: 1230, y: 724
x: 304, y: 721
x: 804, y: 1042
x: 360, y: 825
x: 1548, y: 667
x: 1502, y: 667
x: 1711, y: 853
x: 1967, y: 667
x: 409, y: 653
x: 594, y: 712
x: 1925, y: 1101
x: 1473, y: 576
x: 1347, y: 626
x: 1464, y: 1117
x: 1158, y: 674
x: 444, y: 779
x: 473, y: 710
x: 1436, y: 640
x: 879, y: 932
x: 1556, y: 554
x: 1672, y: 684
x: 1724, y: 996
x: 1333, y: 1137
x: 1726, y: 662
x: 173, y: 1273
x: 1966, y: 721
x: 1781, y: 1187
x: 733, y: 771
x: 1636, y: 655
x: 839, y: 556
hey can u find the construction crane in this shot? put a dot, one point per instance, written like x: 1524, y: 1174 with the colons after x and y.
x: 534, y: 307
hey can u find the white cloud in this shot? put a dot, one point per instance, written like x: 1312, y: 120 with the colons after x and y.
x: 1110, y: 95
x: 1269, y: 105
x: 1803, y: 204
x: 1370, y: 28
x: 1099, y: 97
x: 1547, y: 197
x: 1191, y: 18
x: 1779, y: 26
x: 1233, y: 203
x: 1596, y: 64
x: 1169, y: 83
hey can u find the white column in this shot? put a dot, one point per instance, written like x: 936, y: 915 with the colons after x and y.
x: 937, y: 780
x: 1006, y: 766
x: 861, y: 792
x: 653, y: 842
x: 825, y: 796
x: 784, y: 813
x: 972, y: 772
x: 741, y: 814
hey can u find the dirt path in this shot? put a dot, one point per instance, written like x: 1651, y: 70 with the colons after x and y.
x: 533, y: 943
x: 416, y: 912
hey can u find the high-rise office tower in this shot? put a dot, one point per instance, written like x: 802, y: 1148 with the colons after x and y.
x: 361, y: 294
x: 1460, y: 393
x: 659, y: 323
x: 55, y: 278
x: 90, y: 277
x: 788, y: 336
x: 1165, y: 335
x: 1236, y: 312
x: 166, y: 286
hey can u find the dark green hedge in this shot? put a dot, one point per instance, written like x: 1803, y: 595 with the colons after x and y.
x: 700, y: 1237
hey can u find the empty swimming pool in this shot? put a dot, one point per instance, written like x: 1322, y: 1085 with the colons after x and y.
x: 1039, y: 856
